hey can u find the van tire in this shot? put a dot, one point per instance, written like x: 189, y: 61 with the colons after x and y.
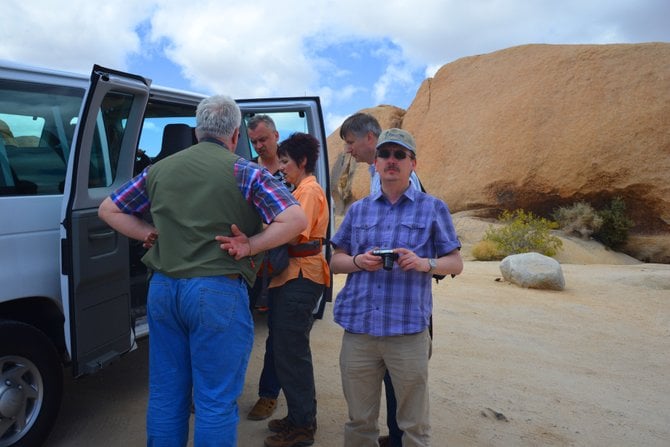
x: 28, y: 360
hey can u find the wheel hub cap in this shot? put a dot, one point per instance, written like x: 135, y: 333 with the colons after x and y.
x: 11, y: 400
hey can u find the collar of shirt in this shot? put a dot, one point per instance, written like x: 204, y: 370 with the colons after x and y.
x: 408, y: 194
x: 215, y: 141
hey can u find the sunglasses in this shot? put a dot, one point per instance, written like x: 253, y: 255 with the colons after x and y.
x: 398, y: 154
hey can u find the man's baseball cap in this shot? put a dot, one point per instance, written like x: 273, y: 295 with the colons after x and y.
x: 397, y: 136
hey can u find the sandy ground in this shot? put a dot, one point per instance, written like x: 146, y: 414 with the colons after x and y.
x: 588, y: 366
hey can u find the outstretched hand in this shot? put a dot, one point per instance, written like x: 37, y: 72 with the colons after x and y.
x: 237, y: 244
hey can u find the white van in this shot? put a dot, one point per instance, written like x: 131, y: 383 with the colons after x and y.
x: 72, y: 290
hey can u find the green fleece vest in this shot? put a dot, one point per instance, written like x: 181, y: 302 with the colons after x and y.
x: 194, y: 196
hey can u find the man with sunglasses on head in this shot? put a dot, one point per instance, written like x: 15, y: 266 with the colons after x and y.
x: 385, y: 308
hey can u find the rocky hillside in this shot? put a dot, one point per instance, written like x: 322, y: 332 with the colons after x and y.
x: 538, y: 127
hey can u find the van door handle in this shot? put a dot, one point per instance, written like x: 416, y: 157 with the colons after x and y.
x: 101, y: 235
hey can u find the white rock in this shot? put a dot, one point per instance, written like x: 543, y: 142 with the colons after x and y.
x: 533, y: 270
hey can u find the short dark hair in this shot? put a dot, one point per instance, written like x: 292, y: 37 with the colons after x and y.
x: 360, y: 124
x: 255, y: 120
x: 301, y: 146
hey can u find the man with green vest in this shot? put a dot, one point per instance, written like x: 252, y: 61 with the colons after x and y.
x: 201, y: 329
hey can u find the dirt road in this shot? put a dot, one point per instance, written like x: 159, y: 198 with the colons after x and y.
x: 589, y: 366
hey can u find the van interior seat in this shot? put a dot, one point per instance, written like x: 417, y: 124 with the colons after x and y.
x: 38, y: 166
x: 176, y: 137
x: 6, y: 139
x: 6, y: 134
x: 6, y: 174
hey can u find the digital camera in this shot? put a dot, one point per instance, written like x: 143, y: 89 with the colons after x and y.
x: 388, y: 257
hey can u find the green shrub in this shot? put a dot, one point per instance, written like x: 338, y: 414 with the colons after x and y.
x: 614, y: 230
x: 580, y: 219
x: 486, y: 250
x: 522, y: 233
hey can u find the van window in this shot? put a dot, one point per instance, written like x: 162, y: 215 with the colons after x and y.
x: 151, y: 139
x: 37, y: 124
x: 287, y: 123
x: 108, y: 140
x: 36, y: 130
x: 159, y: 115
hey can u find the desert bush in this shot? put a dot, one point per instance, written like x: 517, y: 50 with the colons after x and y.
x: 580, y: 218
x: 486, y: 250
x: 614, y: 230
x: 524, y: 232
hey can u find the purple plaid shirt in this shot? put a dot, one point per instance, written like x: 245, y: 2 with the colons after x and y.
x: 385, y: 303
x: 267, y: 194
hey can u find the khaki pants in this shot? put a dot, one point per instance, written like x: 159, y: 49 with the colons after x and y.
x: 363, y: 360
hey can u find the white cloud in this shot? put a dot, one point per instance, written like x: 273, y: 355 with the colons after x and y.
x: 283, y: 47
x: 342, y: 95
x: 251, y: 49
x: 395, y: 76
x: 333, y: 121
x: 71, y: 36
x: 347, y: 92
x: 431, y: 70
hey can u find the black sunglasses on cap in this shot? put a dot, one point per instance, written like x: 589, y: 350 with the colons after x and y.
x: 398, y: 154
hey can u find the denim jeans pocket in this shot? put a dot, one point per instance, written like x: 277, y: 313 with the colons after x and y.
x: 159, y: 299
x: 216, y: 308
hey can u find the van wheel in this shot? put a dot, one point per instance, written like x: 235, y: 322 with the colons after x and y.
x: 31, y: 385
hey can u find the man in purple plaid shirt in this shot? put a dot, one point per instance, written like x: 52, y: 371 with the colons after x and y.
x: 386, y: 313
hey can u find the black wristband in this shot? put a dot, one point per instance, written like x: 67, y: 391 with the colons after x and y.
x: 354, y: 261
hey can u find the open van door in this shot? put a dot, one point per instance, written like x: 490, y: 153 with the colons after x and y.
x: 295, y: 114
x: 94, y: 259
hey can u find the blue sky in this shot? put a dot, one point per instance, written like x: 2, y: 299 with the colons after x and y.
x: 353, y: 54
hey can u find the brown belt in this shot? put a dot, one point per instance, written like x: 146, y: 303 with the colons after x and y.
x: 309, y: 248
x: 232, y: 276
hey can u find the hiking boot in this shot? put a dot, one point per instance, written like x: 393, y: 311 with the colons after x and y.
x: 263, y: 409
x: 291, y: 436
x: 279, y: 425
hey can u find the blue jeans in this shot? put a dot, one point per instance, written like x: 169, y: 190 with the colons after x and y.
x: 201, y: 335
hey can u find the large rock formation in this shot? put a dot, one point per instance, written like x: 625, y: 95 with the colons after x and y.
x: 542, y: 126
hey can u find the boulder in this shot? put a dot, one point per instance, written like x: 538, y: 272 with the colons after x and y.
x: 543, y: 126
x: 533, y: 271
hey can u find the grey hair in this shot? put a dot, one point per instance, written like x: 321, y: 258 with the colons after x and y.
x: 218, y: 116
x: 255, y: 120
x: 360, y: 124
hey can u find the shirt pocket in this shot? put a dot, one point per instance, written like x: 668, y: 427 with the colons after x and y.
x: 363, y: 237
x: 412, y: 234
